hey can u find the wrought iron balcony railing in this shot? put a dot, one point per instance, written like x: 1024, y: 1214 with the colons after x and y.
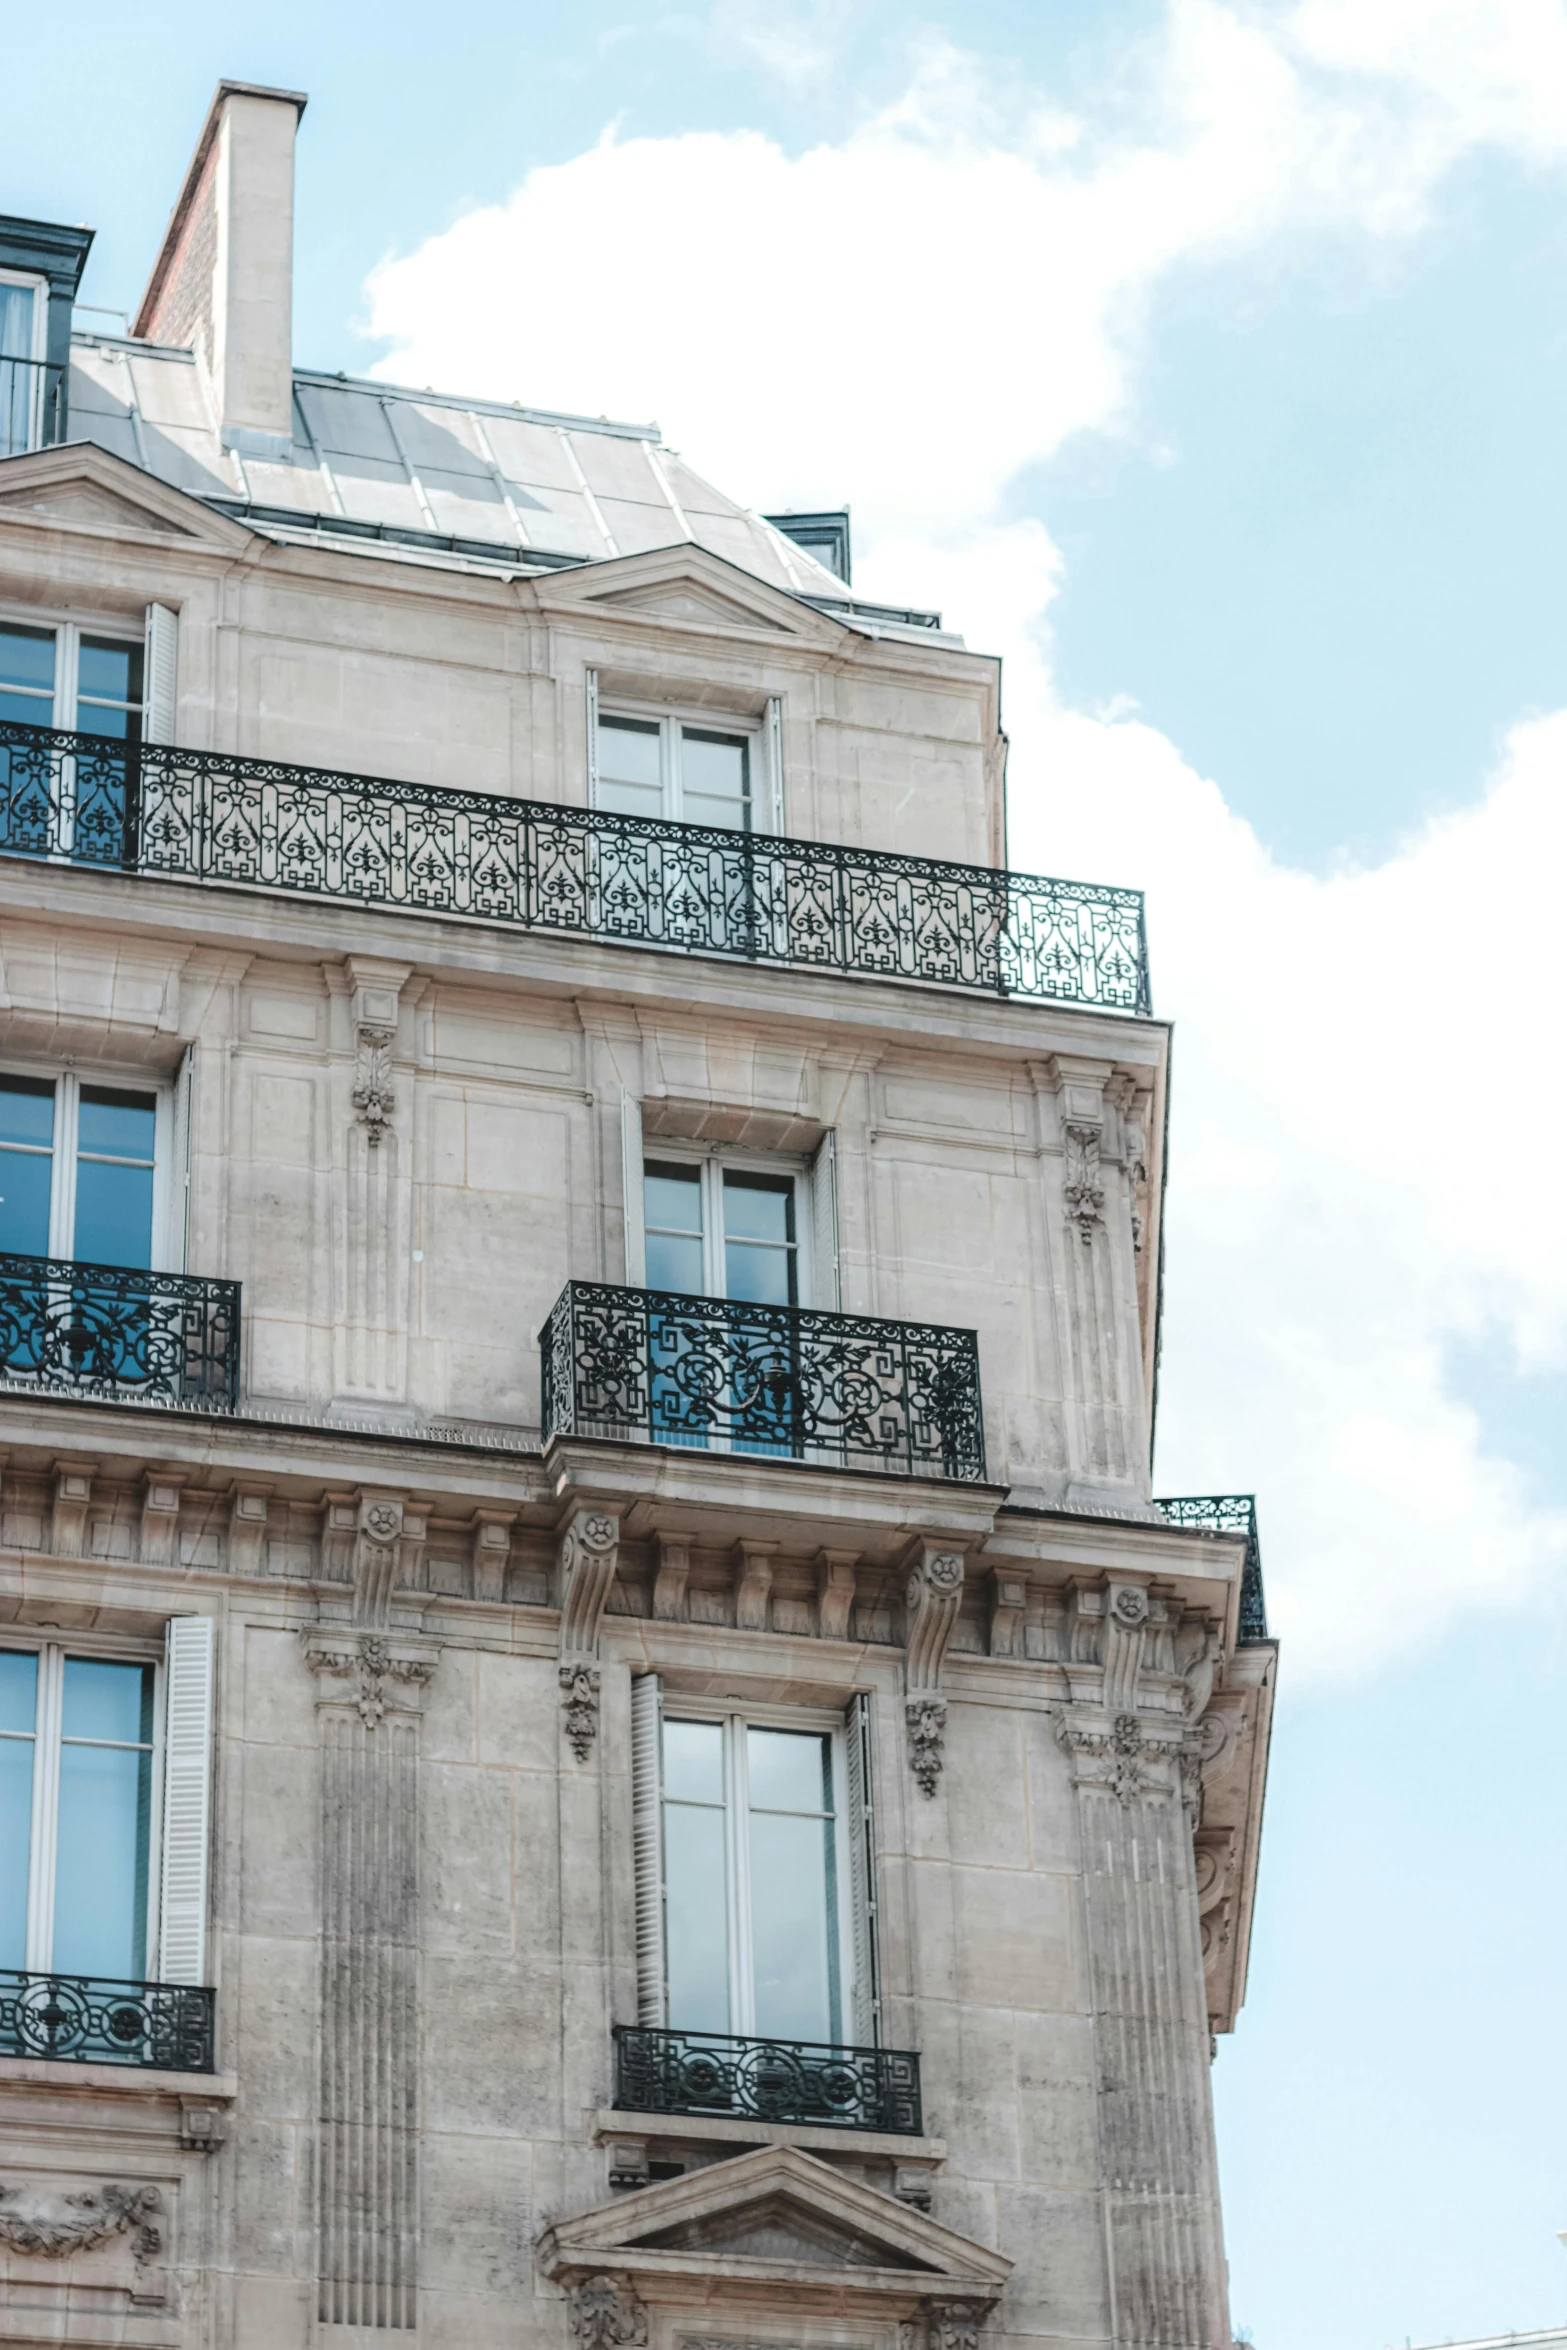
x: 717, y: 1374
x: 767, y: 2080
x: 31, y: 396
x: 107, y: 1330
x: 1229, y: 1513
x: 629, y: 880
x: 94, y: 2019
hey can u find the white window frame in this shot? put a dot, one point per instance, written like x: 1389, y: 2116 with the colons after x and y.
x: 167, y: 1200
x: 762, y: 731
x: 44, y: 1850
x: 68, y: 633
x: 735, y: 1721
x: 713, y: 1160
x: 39, y: 287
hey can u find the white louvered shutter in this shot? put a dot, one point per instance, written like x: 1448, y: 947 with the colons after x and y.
x: 825, y: 1290
x: 593, y: 737
x: 631, y: 1176
x: 179, y: 1167
x: 187, y: 1799
x: 160, y: 674
x: 866, y: 1996
x: 772, y: 810
x: 647, y: 1843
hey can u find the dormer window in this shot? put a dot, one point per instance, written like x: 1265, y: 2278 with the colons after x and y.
x: 689, y: 770
x: 24, y: 320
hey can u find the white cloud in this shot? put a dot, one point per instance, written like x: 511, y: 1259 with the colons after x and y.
x: 1367, y: 1132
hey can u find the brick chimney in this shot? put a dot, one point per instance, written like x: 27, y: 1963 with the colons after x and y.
x: 223, y: 281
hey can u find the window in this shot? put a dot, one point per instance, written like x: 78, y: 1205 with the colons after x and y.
x: 689, y: 767
x: 24, y: 315
x: 65, y: 677
x: 724, y: 1230
x: 754, y: 1902
x: 79, y: 1170
x: 78, y: 1764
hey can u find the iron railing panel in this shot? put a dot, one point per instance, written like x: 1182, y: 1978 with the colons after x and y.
x: 205, y: 816
x: 98, y: 2019
x: 109, y: 1330
x: 816, y: 2082
x: 718, y: 1374
x: 1229, y: 1513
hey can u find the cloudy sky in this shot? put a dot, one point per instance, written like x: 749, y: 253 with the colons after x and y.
x: 1208, y: 359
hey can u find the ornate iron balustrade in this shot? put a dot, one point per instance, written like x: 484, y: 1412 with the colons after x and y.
x: 1229, y: 1513
x: 630, y: 880
x: 767, y: 2080
x: 95, y: 2019
x: 655, y: 1367
x: 108, y: 1330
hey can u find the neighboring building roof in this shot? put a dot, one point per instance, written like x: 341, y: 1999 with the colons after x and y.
x: 486, y: 483
x: 1553, y: 2338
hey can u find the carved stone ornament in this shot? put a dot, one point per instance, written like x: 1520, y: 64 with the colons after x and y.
x: 1130, y: 1604
x: 579, y: 1681
x: 944, y: 2325
x: 606, y: 2314
x: 95, y: 2218
x: 1085, y: 1193
x: 374, y: 1096
x: 372, y: 1662
x: 926, y: 1717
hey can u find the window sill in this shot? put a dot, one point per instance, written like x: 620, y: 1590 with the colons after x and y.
x: 128, y: 2080
x: 718, y: 2129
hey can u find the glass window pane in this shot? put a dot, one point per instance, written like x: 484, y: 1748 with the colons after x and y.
x: 758, y: 1207
x: 630, y: 767
x: 26, y: 1172
x: 100, y: 1894
x: 789, y: 1770
x: 793, y: 1927
x: 16, y: 1837
x: 27, y: 1110
x: 18, y: 1689
x: 108, y: 672
x: 715, y: 769
x: 106, y: 1700
x: 17, y: 321
x: 696, y: 1928
x: 693, y: 1762
x: 759, y: 1276
x: 120, y: 1123
x: 672, y: 1216
x: 27, y: 659
x: 113, y: 1214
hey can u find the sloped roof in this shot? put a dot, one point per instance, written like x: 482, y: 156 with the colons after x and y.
x: 479, y: 481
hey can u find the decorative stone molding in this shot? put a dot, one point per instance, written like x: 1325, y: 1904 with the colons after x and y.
x: 753, y: 1584
x: 669, y: 1584
x: 95, y: 2218
x: 203, y: 2128
x: 932, y: 1596
x: 376, y: 991
x: 248, y: 1529
x: 835, y: 1572
x: 926, y: 1721
x: 160, y: 1517
x: 378, y: 1532
x: 72, y: 1499
x: 1008, y: 1607
x: 385, y: 1672
x: 606, y: 2314
x: 1084, y: 1187
x: 579, y: 1681
x: 491, y: 1552
x: 954, y: 2325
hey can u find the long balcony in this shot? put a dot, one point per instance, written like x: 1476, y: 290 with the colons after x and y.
x: 97, y: 2019
x: 838, y: 1390
x: 202, y: 816
x: 1229, y: 1513
x: 106, y: 1330
x: 767, y: 2080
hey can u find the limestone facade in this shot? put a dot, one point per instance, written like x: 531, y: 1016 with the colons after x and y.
x: 426, y: 1871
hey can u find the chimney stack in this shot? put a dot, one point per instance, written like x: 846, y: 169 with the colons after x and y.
x: 223, y: 281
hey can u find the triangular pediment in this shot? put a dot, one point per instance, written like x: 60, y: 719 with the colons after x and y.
x: 687, y: 586
x: 776, y: 2214
x: 87, y: 488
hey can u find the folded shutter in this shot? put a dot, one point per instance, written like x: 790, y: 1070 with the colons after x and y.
x: 631, y: 1176
x: 160, y: 666
x: 865, y: 2001
x: 179, y: 1168
x: 187, y: 1799
x: 770, y: 816
x: 593, y: 737
x: 647, y: 1843
x: 825, y: 1291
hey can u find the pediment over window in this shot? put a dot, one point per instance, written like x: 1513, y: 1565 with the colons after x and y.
x: 89, y: 488
x: 685, y: 586
x: 774, y: 2217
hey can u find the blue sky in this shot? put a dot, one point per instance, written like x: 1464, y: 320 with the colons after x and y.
x: 1211, y: 363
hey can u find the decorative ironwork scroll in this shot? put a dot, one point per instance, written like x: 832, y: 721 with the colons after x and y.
x: 721, y: 1375
x: 95, y: 2019
x: 767, y: 2080
x: 1229, y: 1513
x: 694, y: 889
x: 109, y: 1330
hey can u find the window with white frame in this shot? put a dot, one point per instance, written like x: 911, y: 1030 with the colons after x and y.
x: 105, y: 1775
x: 83, y: 1169
x: 24, y: 326
x: 72, y: 677
x: 727, y: 1227
x: 692, y: 767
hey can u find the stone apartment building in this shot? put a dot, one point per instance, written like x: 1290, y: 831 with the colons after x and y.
x: 601, y: 1740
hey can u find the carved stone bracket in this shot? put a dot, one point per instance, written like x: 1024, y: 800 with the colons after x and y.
x: 86, y: 2221
x: 376, y: 990
x: 669, y: 1584
x: 606, y: 2314
x: 943, y: 2325
x: 1084, y: 1189
x: 385, y: 1672
x: 1141, y: 1673
x: 932, y: 1596
x: 589, y: 1551
x: 835, y: 1571
x: 753, y: 1584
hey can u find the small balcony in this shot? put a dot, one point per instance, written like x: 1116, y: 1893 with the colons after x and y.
x: 640, y: 881
x: 31, y: 405
x: 1229, y: 1513
x: 648, y: 1366
x: 95, y: 2019
x: 107, y: 1330
x: 805, y: 2081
